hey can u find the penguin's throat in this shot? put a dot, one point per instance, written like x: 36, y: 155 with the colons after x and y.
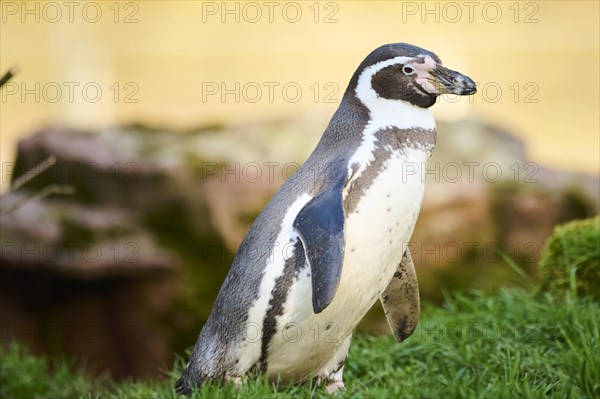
x: 385, y: 113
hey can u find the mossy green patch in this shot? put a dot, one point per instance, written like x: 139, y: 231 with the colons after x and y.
x: 570, y: 263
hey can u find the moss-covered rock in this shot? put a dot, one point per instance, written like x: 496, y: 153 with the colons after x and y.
x: 570, y: 263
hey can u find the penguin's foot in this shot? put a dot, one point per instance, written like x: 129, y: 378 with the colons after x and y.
x: 334, y: 387
x: 236, y: 381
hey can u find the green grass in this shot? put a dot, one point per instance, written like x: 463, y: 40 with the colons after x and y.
x: 25, y: 376
x: 505, y: 345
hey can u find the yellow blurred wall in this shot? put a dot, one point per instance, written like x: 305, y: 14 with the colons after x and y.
x: 537, y: 63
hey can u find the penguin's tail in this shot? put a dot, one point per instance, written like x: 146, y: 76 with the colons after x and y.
x: 182, y: 387
x: 186, y: 383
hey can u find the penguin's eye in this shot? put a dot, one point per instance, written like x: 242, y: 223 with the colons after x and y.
x: 408, y: 70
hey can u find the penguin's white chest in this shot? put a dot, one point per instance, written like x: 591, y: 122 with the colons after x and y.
x: 377, y: 234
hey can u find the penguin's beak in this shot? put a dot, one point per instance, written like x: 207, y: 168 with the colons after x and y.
x: 447, y: 81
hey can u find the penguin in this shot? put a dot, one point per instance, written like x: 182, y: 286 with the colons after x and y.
x: 334, y: 238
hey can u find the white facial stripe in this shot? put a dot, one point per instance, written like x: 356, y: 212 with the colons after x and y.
x: 384, y: 113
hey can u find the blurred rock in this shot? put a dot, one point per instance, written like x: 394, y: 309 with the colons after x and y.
x: 79, y: 242
x: 85, y: 281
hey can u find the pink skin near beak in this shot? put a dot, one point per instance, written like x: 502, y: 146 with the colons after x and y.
x: 423, y: 73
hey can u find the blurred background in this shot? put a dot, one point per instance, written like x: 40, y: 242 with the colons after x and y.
x: 151, y: 134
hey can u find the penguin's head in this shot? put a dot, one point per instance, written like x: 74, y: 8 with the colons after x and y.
x: 404, y: 72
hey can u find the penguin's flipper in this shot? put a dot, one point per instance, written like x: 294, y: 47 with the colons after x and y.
x: 320, y: 225
x: 400, y: 299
